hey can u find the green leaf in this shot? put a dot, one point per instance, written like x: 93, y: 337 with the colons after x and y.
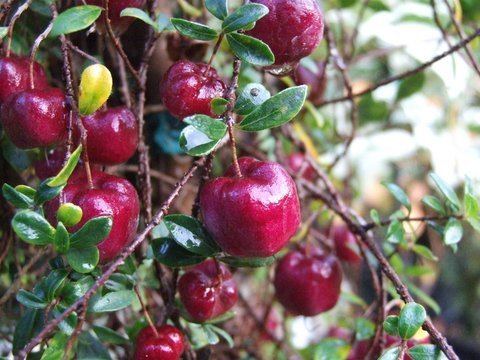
x: 56, y: 347
x: 250, y: 50
x: 141, y: 15
x: 243, y: 17
x: 189, y: 233
x: 164, y: 23
x: 219, y: 105
x: 194, y: 30
x: 109, y: 336
x: 364, y: 329
x: 75, y: 19
x: 27, y: 326
x: 446, y: 190
x: 391, y: 325
x: 119, y: 281
x: 217, y: 8
x: 410, y: 86
x: 411, y: 318
x: 276, y: 111
x: 399, y: 194
x: 26, y: 190
x: 213, y: 128
x: 396, y: 232
x: 92, y: 232
x: 250, y: 97
x: 329, y: 349
x: 16, y: 198
x: 46, y: 193
x: 453, y: 232
x: 114, y: 301
x: 67, y: 326
x: 470, y: 203
x: 30, y: 300
x: 83, y: 260
x: 247, y: 262
x: 72, y: 291
x: 390, y: 354
x: 425, y: 352
x: 32, y: 228
x: 375, y: 217
x: 3, y: 31
x: 61, y: 241
x: 202, y: 135
x: 54, y: 282
x: 424, y: 297
x: 169, y: 253
x: 425, y: 252
x: 90, y: 348
x: 434, y: 203
x: 67, y: 170
x: 223, y: 334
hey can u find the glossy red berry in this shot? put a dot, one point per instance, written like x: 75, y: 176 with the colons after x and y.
x: 189, y: 88
x: 296, y: 162
x: 292, y: 29
x: 315, y: 79
x: 168, y: 345
x: 207, y: 291
x: 35, y: 118
x: 115, y: 8
x: 14, y: 76
x: 255, y: 215
x: 111, y: 196
x: 346, y: 246
x: 308, y: 284
x: 112, y: 135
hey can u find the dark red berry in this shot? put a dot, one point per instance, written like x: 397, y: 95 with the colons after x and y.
x: 255, y: 215
x: 315, y: 79
x: 119, y: 24
x: 292, y: 29
x: 188, y: 89
x: 111, y: 196
x: 296, y: 162
x: 14, y: 76
x: 112, y: 135
x: 308, y: 284
x: 207, y: 290
x: 35, y: 118
x: 168, y: 345
x: 346, y: 246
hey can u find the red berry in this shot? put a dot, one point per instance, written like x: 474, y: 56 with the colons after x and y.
x: 35, y: 118
x: 346, y: 246
x: 207, y: 291
x: 360, y: 350
x: 308, y: 284
x: 188, y: 89
x: 255, y: 215
x: 14, y: 76
x: 316, y: 81
x: 112, y: 135
x: 297, y: 162
x: 119, y: 24
x: 292, y: 29
x: 111, y: 196
x: 168, y: 345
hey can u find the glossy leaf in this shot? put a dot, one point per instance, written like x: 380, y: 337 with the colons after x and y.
x: 224, y: 335
x: 75, y: 19
x: 453, y: 232
x: 213, y: 128
x: 120, y: 281
x: 53, y: 283
x: 30, y: 300
x: 434, y: 203
x: 32, y: 228
x: 89, y: 348
x: 395, y: 232
x: 247, y: 262
x: 390, y: 354
x: 328, y: 349
x: 471, y: 205
x: 46, y: 193
x: 61, y: 241
x: 250, y: 50
x: 67, y: 170
x: 425, y: 352
x: 250, y: 97
x: 114, y: 301
x: 391, y: 325
x: 219, y: 105
x: 218, y: 8
x: 109, y: 336
x: 16, y: 198
x: 141, y: 15
x: 194, y: 30
x: 364, y: 329
x: 446, y: 190
x: 276, y: 111
x: 83, y: 260
x: 202, y: 136
x: 72, y: 291
x: 169, y: 253
x: 56, y: 347
x: 92, y: 232
x: 26, y: 326
x: 411, y: 318
x: 399, y: 194
x: 243, y: 17
x: 26, y: 190
x: 424, y: 252
x: 189, y: 233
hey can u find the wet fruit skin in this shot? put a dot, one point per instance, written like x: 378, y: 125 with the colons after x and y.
x: 316, y: 81
x: 111, y: 196
x: 296, y: 162
x: 207, y: 291
x: 112, y: 135
x: 251, y: 216
x: 346, y: 246
x: 169, y: 345
x: 35, y: 118
x: 308, y: 284
x: 188, y: 88
x: 14, y: 76
x: 119, y: 24
x: 292, y: 29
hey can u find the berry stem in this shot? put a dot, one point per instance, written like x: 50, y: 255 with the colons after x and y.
x: 215, y: 50
x: 145, y: 311
x: 83, y: 141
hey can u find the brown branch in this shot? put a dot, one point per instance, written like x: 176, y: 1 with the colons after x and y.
x: 82, y: 53
x: 21, y: 9
x: 372, y: 225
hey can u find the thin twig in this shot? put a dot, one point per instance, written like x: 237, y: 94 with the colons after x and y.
x: 14, y: 18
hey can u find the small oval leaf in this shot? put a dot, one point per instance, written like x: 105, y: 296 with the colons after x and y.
x: 194, y: 30
x: 75, y: 19
x: 114, y: 301
x: 83, y: 260
x: 250, y: 50
x: 243, y: 17
x: 33, y: 228
x: 411, y: 318
x: 67, y: 170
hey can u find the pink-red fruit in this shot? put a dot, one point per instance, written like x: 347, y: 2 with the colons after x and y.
x: 254, y: 215
x: 207, y: 291
x: 188, y: 89
x: 346, y: 246
x: 316, y: 81
x: 308, y: 282
x: 169, y: 344
x: 296, y: 162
